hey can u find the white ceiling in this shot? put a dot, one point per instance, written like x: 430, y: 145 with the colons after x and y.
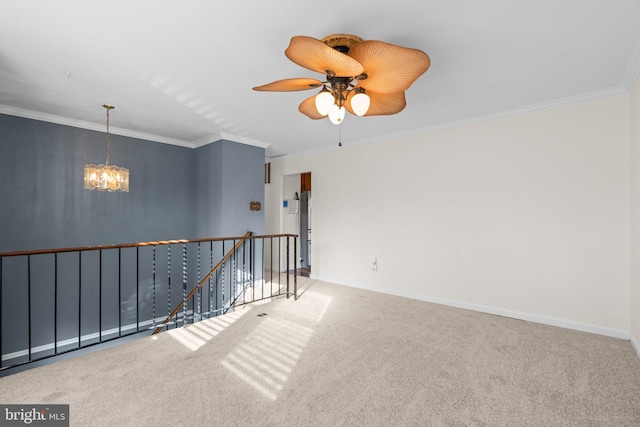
x: 182, y: 72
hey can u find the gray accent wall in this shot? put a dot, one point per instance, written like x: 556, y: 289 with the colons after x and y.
x: 44, y: 203
x: 227, y: 173
x: 175, y: 193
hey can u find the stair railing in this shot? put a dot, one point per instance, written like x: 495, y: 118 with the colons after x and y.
x: 56, y: 301
x: 199, y: 287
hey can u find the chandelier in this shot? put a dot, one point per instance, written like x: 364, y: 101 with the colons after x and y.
x: 106, y: 177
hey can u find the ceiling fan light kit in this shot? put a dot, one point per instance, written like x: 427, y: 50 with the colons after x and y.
x: 363, y: 77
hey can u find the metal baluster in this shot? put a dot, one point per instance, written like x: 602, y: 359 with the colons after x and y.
x: 252, y: 265
x: 79, y: 299
x: 244, y: 272
x: 55, y: 304
x: 169, y: 282
x: 1, y: 288
x: 287, y: 271
x: 137, y: 289
x: 262, y: 267
x: 210, y: 279
x: 119, y: 292
x: 295, y: 268
x: 223, y: 277
x: 153, y: 275
x: 100, y: 299
x: 29, y: 301
x: 199, y: 289
x: 184, y: 284
x: 234, y: 277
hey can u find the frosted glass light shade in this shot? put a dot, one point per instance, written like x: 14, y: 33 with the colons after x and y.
x: 336, y: 114
x: 360, y: 103
x: 106, y: 178
x: 324, y: 102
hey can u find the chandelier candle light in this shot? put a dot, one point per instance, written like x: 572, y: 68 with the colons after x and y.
x: 105, y: 177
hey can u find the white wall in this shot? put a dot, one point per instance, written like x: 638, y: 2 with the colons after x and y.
x: 635, y: 201
x: 527, y: 215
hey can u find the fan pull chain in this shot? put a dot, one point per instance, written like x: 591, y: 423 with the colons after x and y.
x: 340, y: 135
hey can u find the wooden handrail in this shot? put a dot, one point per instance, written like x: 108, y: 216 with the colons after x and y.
x: 135, y: 245
x: 193, y: 292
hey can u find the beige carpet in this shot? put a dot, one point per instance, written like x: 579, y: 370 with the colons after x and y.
x: 342, y: 356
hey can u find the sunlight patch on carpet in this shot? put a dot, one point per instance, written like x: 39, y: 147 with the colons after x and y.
x: 267, y: 357
x: 198, y: 334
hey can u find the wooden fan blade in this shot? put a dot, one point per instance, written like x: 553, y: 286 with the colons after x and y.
x: 389, y: 68
x: 289, y: 85
x: 308, y: 108
x: 382, y: 104
x: 316, y: 56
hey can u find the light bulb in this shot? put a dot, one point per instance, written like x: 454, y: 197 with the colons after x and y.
x: 360, y: 103
x: 324, y: 101
x: 336, y: 114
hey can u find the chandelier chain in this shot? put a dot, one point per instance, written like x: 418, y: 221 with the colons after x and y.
x: 107, y: 143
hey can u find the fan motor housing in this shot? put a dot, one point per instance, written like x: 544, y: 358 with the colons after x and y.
x: 341, y: 42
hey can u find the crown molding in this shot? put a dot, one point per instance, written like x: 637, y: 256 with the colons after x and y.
x: 243, y: 140
x: 52, y: 118
x: 472, y: 120
x: 632, y: 75
x: 502, y: 114
x: 206, y: 140
x: 215, y: 137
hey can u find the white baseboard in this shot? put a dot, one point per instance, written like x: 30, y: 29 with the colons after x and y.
x: 635, y: 345
x: 567, y: 324
x: 106, y: 335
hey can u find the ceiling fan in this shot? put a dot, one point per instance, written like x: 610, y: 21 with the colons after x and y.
x: 363, y: 77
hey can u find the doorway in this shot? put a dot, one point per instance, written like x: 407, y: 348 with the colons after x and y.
x: 297, y: 214
x: 305, y: 224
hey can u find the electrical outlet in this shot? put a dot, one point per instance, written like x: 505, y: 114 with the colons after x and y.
x: 374, y: 264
